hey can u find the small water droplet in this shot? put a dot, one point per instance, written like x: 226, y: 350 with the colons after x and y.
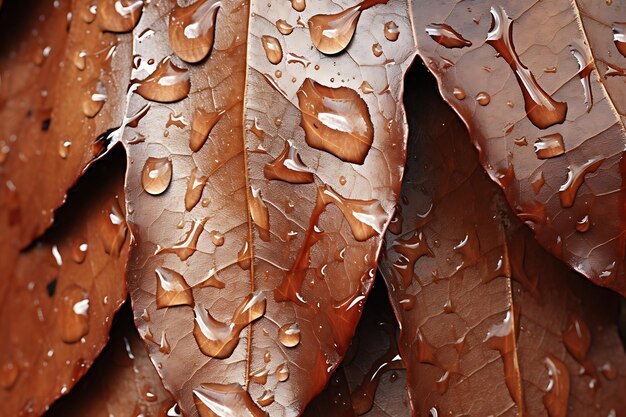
x: 273, y: 50
x: 391, y: 31
x: 298, y: 5
x: 377, y: 50
x: 266, y: 398
x: 192, y: 29
x: 119, y: 15
x: 64, y: 148
x: 483, y: 98
x: 289, y: 335
x: 259, y: 213
x: 243, y: 257
x: 445, y: 35
x: 73, y: 313
x: 282, y: 372
x: 172, y: 289
x: 156, y: 175
x: 619, y: 36
x: 459, y: 93
x: 284, y: 27
x: 549, y: 146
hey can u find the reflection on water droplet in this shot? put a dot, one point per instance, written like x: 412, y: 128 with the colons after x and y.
x: 336, y: 120
x: 541, y: 109
x: 483, y: 98
x: 557, y: 392
x: 282, y: 372
x: 445, y: 35
x: 289, y: 335
x: 298, y: 5
x: 288, y: 166
x: 284, y: 27
x: 201, y: 125
x: 260, y: 376
x: 79, y: 251
x: 243, y: 257
x: 575, y: 177
x: 195, y: 187
x: 192, y: 29
x: 459, y: 93
x: 64, y: 148
x: 222, y: 400
x: 8, y: 374
x: 583, y: 224
x: 259, y: 213
x: 266, y: 398
x: 167, y: 83
x: 273, y: 50
x: 619, y: 37
x: 172, y: 289
x: 73, y: 313
x: 156, y: 175
x: 331, y: 33
x: 391, y: 31
x: 219, y: 340
x: 377, y: 50
x: 549, y: 146
x: 187, y: 245
x: 585, y: 66
x: 113, y: 229
x: 93, y: 100
x: 119, y: 15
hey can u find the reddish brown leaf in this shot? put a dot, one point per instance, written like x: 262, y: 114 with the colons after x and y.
x: 491, y: 324
x: 541, y: 87
x: 122, y: 381
x: 59, y: 294
x: 244, y: 273
x: 371, y: 381
x: 62, y: 85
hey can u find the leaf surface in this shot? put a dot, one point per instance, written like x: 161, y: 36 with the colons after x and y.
x: 491, y: 324
x: 262, y: 173
x: 60, y: 293
x: 540, y: 86
x: 121, y: 382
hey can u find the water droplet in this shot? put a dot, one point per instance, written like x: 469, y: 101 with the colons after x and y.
x: 156, y: 175
x: 336, y: 120
x: 331, y: 33
x: 583, y: 224
x: 168, y: 83
x: 119, y: 15
x: 172, y: 289
x: 211, y: 281
x: 266, y: 398
x: 64, y: 148
x: 557, y: 392
x: 219, y: 340
x: 459, y: 93
x: 192, y: 29
x: 201, y: 125
x: 243, y: 257
x: 549, y: 146
x: 366, y: 88
x: 187, y: 246
x: 575, y: 177
x: 619, y: 36
x: 577, y: 341
x: 541, y: 109
x: 298, y: 5
x: 483, y: 98
x: 288, y: 166
x: 445, y: 35
x: 225, y: 400
x: 273, y: 50
x: 284, y: 27
x: 411, y: 249
x: 79, y: 251
x: 73, y: 313
x: 8, y: 374
x: 113, y: 229
x: 217, y: 238
x: 391, y: 31
x: 93, y: 100
x: 377, y: 50
x: 282, y: 372
x: 260, y: 376
x: 164, y: 346
x: 538, y: 182
x: 259, y: 213
x: 585, y: 66
x: 195, y: 187
x: 289, y: 335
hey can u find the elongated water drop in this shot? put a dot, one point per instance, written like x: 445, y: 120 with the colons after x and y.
x: 195, y: 186
x: 445, y: 35
x: 168, y: 83
x: 575, y: 177
x: 119, y: 15
x: 172, y: 289
x: 201, y: 125
x: 192, y: 29
x: 273, y: 50
x: 73, y: 313
x: 288, y: 166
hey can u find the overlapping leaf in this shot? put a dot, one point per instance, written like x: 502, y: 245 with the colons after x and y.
x: 121, y: 382
x: 483, y: 308
x: 262, y: 173
x: 59, y: 294
x: 541, y: 87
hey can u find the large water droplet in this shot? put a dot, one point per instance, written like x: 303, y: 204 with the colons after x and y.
x: 119, y: 15
x: 542, y: 110
x: 172, y: 289
x: 549, y: 146
x: 168, y: 83
x: 331, y: 33
x: 273, y: 50
x: 192, y: 29
x: 288, y: 166
x: 73, y: 313
x: 575, y: 177
x: 445, y: 35
x: 336, y: 120
x: 391, y: 31
x: 219, y: 340
x: 289, y: 335
x: 223, y: 400
x: 156, y: 175
x: 298, y: 5
x: 201, y: 126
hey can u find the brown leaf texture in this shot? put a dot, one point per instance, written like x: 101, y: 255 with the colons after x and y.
x: 540, y: 86
x: 491, y: 324
x: 60, y: 293
x: 371, y: 381
x: 62, y: 85
x: 262, y: 173
x: 122, y: 381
